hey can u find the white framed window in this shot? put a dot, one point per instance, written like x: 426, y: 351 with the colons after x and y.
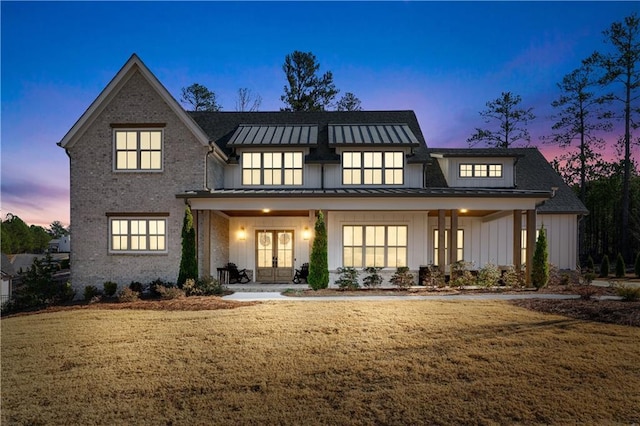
x: 272, y: 168
x: 373, y: 168
x: 382, y: 246
x: 138, y: 149
x: 137, y: 235
x: 469, y: 170
x: 523, y: 244
x: 436, y: 245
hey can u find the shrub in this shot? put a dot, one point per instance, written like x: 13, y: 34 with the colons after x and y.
x: 318, y: 263
x: 136, y: 286
x: 463, y: 279
x: 588, y: 278
x: 153, y: 287
x: 489, y: 275
x: 128, y: 295
x: 168, y: 293
x: 637, y: 265
x: 374, y: 279
x: 514, y: 278
x: 348, y: 278
x: 627, y: 292
x: 206, y: 286
x: 435, y: 277
x: 188, y: 261
x: 591, y: 267
x: 110, y: 288
x: 621, y: 269
x: 402, y: 278
x: 90, y: 292
x: 540, y: 270
x: 604, y: 267
x: 587, y: 291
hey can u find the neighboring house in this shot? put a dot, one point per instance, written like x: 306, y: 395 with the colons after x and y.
x: 255, y: 181
x: 8, y: 273
x: 60, y: 245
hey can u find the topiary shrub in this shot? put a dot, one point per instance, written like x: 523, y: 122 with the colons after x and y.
x: 90, y: 292
x: 188, y: 261
x: 110, y: 288
x: 540, y: 270
x: 402, y: 278
x: 374, y: 279
x: 348, y: 278
x: 318, y: 262
x: 621, y: 269
x: 604, y: 267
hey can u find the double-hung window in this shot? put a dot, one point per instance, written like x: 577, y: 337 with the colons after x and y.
x: 138, y: 149
x: 137, y: 235
x: 374, y: 245
x: 480, y: 170
x: 272, y: 168
x: 372, y: 168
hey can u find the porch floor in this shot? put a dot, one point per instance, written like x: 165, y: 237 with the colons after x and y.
x: 266, y: 287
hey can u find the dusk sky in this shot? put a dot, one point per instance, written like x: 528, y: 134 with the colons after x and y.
x: 442, y: 60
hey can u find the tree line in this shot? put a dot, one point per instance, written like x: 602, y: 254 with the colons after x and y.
x: 18, y: 237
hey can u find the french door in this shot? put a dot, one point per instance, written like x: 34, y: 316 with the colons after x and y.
x: 274, y: 256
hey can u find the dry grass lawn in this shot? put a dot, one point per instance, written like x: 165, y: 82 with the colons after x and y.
x: 339, y: 362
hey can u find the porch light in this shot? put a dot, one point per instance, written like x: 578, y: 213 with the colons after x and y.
x: 266, y: 210
x: 242, y: 235
x: 306, y: 234
x: 464, y: 211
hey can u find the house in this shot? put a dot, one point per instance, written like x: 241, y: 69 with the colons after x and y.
x: 7, y: 276
x: 60, y: 245
x: 256, y: 180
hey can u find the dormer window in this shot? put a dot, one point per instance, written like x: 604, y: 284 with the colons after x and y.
x: 272, y: 168
x: 469, y: 170
x: 372, y: 168
x: 138, y: 150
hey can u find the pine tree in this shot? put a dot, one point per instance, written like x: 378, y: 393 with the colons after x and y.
x: 604, y: 267
x: 540, y: 273
x: 621, y: 269
x: 318, y: 263
x: 188, y: 262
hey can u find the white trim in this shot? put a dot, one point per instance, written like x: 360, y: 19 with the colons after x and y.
x: 138, y: 149
x: 112, y: 251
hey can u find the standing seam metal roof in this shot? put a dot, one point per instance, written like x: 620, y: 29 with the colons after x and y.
x: 249, y: 134
x: 371, y: 134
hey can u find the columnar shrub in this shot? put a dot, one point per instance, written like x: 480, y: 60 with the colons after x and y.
x: 374, y: 279
x: 348, y: 278
x: 110, y: 288
x: 489, y: 275
x: 621, y: 269
x: 604, y: 267
x: 540, y: 272
x: 188, y: 262
x: 590, y: 265
x: 402, y: 278
x: 318, y: 263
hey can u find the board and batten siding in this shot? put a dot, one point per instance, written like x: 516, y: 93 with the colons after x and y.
x: 450, y: 168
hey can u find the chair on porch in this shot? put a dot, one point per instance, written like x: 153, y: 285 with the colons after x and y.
x: 237, y: 275
x: 301, y: 274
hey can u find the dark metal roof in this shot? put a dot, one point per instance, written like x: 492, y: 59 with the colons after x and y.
x: 261, y: 134
x: 371, y: 134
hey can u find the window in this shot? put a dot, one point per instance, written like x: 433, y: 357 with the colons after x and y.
x: 137, y: 235
x: 372, y: 168
x: 480, y: 170
x: 376, y: 245
x: 523, y: 244
x: 459, y: 252
x: 138, y: 149
x: 272, y: 168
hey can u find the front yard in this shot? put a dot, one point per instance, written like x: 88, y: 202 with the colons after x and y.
x: 336, y: 362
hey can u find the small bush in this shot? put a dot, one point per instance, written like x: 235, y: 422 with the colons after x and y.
x: 169, y: 293
x: 136, y: 286
x: 489, y: 275
x: 153, y: 287
x: 90, y: 292
x: 402, y: 278
x: 463, y: 279
x: 591, y: 267
x: 206, y: 286
x: 621, y: 269
x: 128, y: 295
x: 586, y: 292
x: 110, y: 288
x: 627, y: 292
x: 514, y: 278
x: 588, y: 278
x: 435, y: 278
x: 348, y: 278
x: 604, y: 267
x: 374, y: 279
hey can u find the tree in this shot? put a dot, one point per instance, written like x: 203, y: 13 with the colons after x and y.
x: 620, y: 66
x: 200, y: 98
x: 306, y: 91
x: 247, y: 101
x: 318, y: 263
x: 188, y: 262
x: 620, y: 266
x: 604, y: 267
x: 39, y: 239
x: 17, y: 234
x: 540, y: 270
x: 348, y: 102
x: 512, y: 120
x: 57, y: 229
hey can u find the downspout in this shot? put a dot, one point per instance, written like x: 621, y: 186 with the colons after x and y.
x: 206, y: 167
x: 322, y: 176
x: 515, y: 175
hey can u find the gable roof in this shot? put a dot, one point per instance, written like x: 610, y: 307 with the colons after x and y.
x: 133, y: 65
x: 7, y: 266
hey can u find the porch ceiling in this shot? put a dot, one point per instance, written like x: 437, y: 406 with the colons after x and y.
x: 260, y: 213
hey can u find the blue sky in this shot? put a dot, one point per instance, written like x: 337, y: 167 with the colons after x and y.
x: 444, y: 60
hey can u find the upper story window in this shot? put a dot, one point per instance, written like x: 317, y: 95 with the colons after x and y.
x: 481, y: 170
x: 372, y: 168
x: 138, y: 149
x: 272, y: 168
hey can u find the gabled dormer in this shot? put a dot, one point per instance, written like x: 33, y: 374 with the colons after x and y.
x: 477, y: 168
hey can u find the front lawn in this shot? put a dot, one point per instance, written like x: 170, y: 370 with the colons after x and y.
x: 335, y: 362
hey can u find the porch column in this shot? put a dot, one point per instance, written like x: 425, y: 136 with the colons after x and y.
x: 531, y: 242
x: 203, y: 242
x: 453, y: 238
x: 517, y: 239
x: 441, y: 239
